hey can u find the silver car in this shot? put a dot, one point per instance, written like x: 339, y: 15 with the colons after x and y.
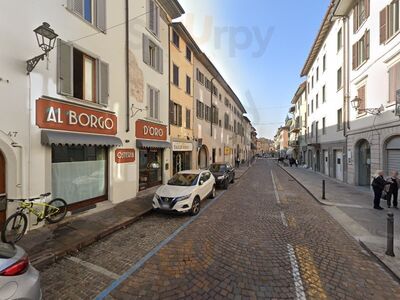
x: 18, y: 278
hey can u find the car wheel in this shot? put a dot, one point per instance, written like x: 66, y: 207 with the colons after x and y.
x: 195, y: 207
x: 213, y: 192
x: 233, y: 178
x: 226, y: 184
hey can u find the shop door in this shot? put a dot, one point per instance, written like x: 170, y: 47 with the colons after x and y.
x: 3, y: 201
x: 364, y: 164
x: 177, y: 163
x: 339, y: 165
x: 326, y: 162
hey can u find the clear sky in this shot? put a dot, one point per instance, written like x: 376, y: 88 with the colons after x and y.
x: 260, y: 47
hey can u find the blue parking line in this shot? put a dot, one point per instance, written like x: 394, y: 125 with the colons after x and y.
x: 149, y: 255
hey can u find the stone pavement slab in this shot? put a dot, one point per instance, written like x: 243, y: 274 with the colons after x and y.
x: 352, y: 207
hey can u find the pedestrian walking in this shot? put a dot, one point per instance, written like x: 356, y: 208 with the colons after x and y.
x: 393, y: 190
x: 378, y: 185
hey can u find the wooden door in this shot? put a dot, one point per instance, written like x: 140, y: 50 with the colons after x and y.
x: 2, y: 187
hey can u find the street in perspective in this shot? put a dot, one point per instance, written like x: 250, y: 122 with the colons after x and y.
x: 177, y: 149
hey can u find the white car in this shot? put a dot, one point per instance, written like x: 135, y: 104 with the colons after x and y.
x: 185, y: 191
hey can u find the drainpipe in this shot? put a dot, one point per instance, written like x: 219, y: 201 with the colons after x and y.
x: 127, y: 64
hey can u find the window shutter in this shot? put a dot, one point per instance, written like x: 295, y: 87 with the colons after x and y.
x: 367, y: 45
x: 171, y: 112
x: 160, y: 61
x: 151, y: 102
x: 103, y: 83
x: 64, y: 68
x: 156, y: 104
x: 361, y: 95
x: 101, y: 15
x: 383, y: 25
x: 180, y: 115
x: 355, y: 57
x: 150, y: 10
x: 76, y: 6
x: 367, y: 8
x: 355, y: 19
x: 146, y: 51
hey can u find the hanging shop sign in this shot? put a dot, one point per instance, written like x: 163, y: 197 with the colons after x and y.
x: 56, y: 115
x: 182, y: 147
x: 150, y: 131
x: 123, y: 156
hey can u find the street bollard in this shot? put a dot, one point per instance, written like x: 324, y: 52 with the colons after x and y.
x: 323, y: 190
x: 390, y: 235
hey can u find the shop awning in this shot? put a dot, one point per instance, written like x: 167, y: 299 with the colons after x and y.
x: 71, y: 138
x: 152, y: 144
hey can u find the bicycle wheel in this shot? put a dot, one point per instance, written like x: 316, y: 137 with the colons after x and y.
x: 14, y: 228
x: 56, y: 210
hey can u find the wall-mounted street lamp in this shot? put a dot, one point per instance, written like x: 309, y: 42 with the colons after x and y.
x: 46, y: 38
x: 356, y: 103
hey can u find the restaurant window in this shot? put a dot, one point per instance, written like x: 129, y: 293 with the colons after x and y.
x: 150, y: 168
x: 79, y: 173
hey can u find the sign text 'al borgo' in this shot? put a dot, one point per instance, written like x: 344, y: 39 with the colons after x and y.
x: 56, y: 115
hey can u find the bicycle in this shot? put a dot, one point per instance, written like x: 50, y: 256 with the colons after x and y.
x: 15, y: 225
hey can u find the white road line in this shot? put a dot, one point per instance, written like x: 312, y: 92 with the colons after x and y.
x: 284, y: 219
x: 275, y: 189
x: 298, y: 283
x: 94, y: 267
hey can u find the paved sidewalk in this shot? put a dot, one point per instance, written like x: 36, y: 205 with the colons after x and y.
x: 352, y: 206
x: 48, y: 243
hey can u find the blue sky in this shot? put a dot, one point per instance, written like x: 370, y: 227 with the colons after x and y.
x: 260, y: 47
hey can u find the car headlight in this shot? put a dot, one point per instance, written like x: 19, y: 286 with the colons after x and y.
x: 221, y: 177
x: 183, y: 198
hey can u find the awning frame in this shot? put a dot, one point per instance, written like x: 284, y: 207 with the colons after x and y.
x: 50, y: 137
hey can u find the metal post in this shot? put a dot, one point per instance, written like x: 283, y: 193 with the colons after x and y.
x: 323, y: 190
x: 390, y: 235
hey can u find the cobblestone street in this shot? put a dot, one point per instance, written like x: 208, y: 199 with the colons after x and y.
x: 264, y: 238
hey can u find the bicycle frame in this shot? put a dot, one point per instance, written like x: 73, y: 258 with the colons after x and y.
x: 41, y: 215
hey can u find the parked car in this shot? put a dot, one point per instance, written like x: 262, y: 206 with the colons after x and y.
x: 18, y: 278
x: 184, y: 192
x: 224, y: 174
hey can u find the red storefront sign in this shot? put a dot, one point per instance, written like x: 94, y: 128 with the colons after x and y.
x: 63, y: 116
x: 150, y: 131
x: 123, y: 156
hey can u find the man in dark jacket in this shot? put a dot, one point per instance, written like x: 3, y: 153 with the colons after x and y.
x: 378, y: 185
x: 393, y: 189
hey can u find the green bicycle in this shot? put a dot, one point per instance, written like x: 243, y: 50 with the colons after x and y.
x: 15, y: 225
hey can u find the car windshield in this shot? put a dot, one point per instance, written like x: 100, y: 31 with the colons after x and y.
x: 183, y: 180
x: 217, y: 168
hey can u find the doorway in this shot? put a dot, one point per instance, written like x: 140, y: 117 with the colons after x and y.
x: 364, y: 163
x: 339, y: 164
x: 326, y: 162
x: 3, y: 201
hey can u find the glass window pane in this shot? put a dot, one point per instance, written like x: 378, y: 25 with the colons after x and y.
x: 88, y: 11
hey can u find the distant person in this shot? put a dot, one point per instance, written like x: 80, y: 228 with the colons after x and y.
x: 378, y: 185
x: 393, y: 189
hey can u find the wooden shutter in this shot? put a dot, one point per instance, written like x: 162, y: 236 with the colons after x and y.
x: 383, y: 25
x: 101, y: 15
x: 367, y: 45
x: 355, y: 18
x: 367, y: 8
x: 361, y: 95
x: 146, y: 51
x: 64, y: 68
x: 103, y: 83
x: 180, y: 115
x: 156, y: 104
x: 151, y: 102
x: 355, y: 56
x: 160, y: 60
x: 171, y: 112
x: 150, y: 10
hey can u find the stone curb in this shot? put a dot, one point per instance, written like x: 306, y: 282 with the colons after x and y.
x: 304, y: 187
x: 46, y: 259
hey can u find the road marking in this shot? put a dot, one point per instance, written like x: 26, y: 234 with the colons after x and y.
x: 93, y: 267
x: 313, y: 282
x: 133, y: 269
x: 298, y: 283
x: 275, y: 190
x: 284, y: 219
